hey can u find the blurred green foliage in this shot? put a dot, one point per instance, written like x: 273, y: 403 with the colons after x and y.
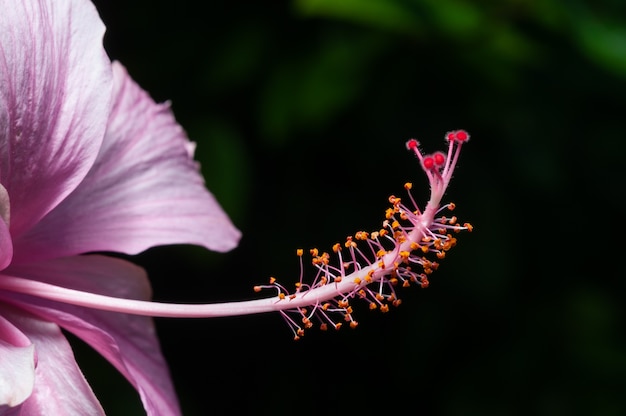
x: 301, y: 110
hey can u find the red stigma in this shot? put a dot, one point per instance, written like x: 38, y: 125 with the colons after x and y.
x: 428, y: 162
x: 439, y: 159
x: 462, y: 136
x: 458, y: 135
x: 412, y: 144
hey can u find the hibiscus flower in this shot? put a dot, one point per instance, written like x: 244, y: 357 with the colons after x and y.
x: 88, y: 163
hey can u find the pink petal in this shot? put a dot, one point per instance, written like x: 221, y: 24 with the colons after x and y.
x: 6, y: 245
x: 55, y: 83
x: 60, y: 388
x: 129, y: 342
x: 144, y: 190
x: 17, y: 365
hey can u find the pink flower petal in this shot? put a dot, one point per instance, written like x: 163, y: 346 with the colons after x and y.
x: 17, y: 365
x: 6, y: 246
x: 60, y: 388
x: 144, y: 190
x: 129, y: 342
x: 55, y: 83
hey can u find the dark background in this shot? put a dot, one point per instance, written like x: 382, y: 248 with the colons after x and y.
x: 301, y: 110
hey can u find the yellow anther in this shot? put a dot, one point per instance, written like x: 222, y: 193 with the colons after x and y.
x: 379, y: 296
x: 425, y: 249
x: 326, y: 306
x: 396, y: 302
x: 314, y: 252
x: 452, y: 220
x: 395, y: 224
x: 384, y: 308
x: 281, y: 296
x: 323, y: 327
x: 441, y: 254
x: 393, y: 281
x: 389, y: 213
x: 299, y: 252
x: 451, y: 206
x: 257, y: 288
x: 382, y: 232
x: 373, y: 306
x: 353, y: 324
x: 406, y: 284
x: 405, y: 256
x: 414, y: 246
x: 338, y: 279
x: 343, y: 303
x: 338, y: 325
x: 357, y: 280
x: 468, y: 226
x: 336, y: 247
x: 408, y: 186
x: 272, y: 280
x: 300, y: 332
x: 374, y: 235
